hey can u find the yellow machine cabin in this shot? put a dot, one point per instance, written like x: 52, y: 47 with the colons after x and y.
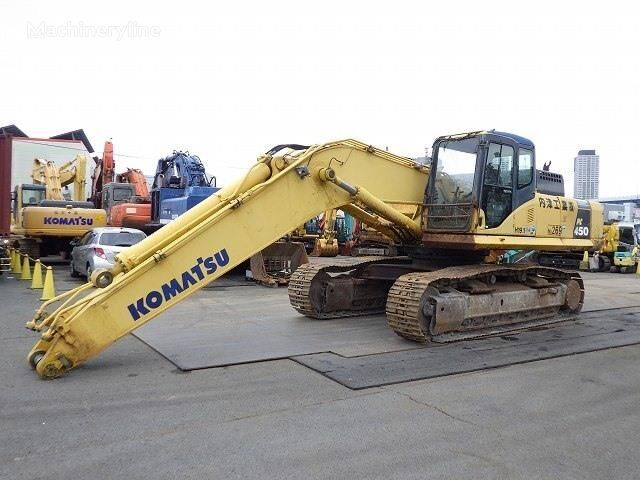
x: 481, y: 194
x: 487, y: 194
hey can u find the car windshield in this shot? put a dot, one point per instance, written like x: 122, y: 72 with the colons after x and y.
x: 121, y: 239
x: 455, y: 171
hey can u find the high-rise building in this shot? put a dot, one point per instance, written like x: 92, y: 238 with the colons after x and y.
x: 586, y: 175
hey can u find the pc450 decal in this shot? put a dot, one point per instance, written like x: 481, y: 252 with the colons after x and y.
x: 583, y: 220
x: 155, y: 298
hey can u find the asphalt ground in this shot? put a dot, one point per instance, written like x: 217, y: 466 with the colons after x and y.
x: 129, y: 413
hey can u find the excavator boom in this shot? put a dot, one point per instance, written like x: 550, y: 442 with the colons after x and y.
x: 45, y: 172
x: 280, y: 192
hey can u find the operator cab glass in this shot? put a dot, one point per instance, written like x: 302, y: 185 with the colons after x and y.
x: 490, y: 171
x: 33, y: 195
x: 455, y: 172
x: 122, y: 194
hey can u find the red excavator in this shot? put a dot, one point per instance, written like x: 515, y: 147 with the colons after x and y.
x: 125, y: 196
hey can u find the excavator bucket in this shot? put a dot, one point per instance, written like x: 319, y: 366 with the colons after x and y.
x: 274, y: 265
x: 325, y: 248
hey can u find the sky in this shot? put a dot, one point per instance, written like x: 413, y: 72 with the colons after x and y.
x: 229, y: 80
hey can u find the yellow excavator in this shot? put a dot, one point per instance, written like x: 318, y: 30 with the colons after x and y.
x: 618, y: 250
x: 326, y: 245
x: 480, y: 195
x: 44, y: 218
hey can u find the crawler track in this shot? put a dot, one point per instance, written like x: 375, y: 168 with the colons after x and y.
x: 308, y: 283
x: 411, y: 300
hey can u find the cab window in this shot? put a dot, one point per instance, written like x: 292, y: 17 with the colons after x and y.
x: 525, y: 167
x: 32, y: 197
x: 499, y: 166
x: 121, y: 194
x: 498, y: 184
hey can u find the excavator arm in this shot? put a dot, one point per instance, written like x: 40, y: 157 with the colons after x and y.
x: 327, y: 244
x: 75, y: 172
x: 135, y: 177
x: 280, y: 192
x: 45, y: 172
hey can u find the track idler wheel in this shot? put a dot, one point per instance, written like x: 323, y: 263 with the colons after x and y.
x: 573, y: 298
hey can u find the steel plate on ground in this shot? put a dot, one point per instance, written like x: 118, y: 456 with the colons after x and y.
x: 596, y: 330
x: 226, y: 325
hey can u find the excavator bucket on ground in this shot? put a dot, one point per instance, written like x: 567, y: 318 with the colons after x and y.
x: 274, y: 265
x: 325, y: 247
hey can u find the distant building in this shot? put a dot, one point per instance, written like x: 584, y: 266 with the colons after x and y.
x: 586, y: 175
x: 17, y: 152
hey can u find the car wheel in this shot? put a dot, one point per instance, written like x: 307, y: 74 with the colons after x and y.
x: 74, y: 272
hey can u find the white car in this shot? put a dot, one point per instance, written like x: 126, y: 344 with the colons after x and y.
x: 98, y: 248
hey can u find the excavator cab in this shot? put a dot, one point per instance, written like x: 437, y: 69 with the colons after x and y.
x: 26, y: 195
x: 30, y: 195
x: 116, y: 193
x: 480, y: 179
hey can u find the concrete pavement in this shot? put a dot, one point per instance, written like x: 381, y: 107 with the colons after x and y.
x: 130, y: 414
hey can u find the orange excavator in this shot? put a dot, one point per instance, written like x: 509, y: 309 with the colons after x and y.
x: 125, y: 196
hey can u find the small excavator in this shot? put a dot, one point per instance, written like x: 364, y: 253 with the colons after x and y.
x: 618, y: 250
x: 480, y: 195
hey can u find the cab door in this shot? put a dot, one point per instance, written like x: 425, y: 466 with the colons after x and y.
x: 497, y: 185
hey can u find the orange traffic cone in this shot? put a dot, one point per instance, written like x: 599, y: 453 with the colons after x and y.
x: 26, y: 269
x: 36, y: 282
x: 49, y: 290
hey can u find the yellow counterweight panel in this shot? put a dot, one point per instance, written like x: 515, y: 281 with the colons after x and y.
x: 61, y: 221
x: 277, y: 194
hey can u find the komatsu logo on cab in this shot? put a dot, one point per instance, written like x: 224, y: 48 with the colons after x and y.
x: 175, y: 286
x: 68, y: 221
